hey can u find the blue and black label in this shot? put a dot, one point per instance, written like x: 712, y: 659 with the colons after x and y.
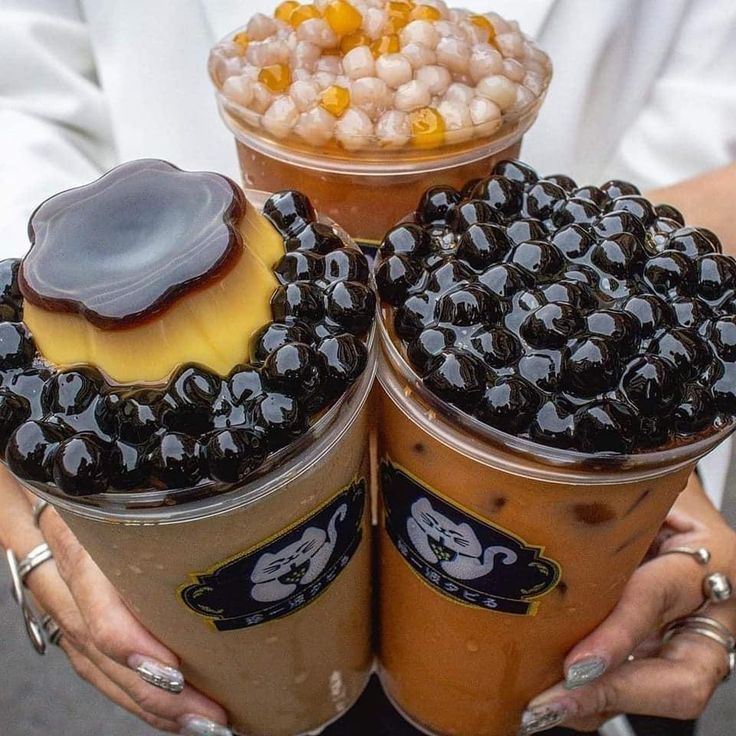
x: 461, y: 555
x: 285, y: 573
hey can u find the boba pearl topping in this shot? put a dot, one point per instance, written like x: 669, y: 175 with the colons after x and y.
x: 80, y: 433
x: 377, y: 74
x: 581, y: 317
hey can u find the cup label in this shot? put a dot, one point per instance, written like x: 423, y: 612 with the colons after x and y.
x: 284, y: 573
x: 464, y: 557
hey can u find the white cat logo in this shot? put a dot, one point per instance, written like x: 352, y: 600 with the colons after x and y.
x: 277, y: 576
x: 454, y: 546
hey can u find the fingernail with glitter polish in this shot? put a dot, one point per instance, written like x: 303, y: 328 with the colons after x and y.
x: 542, y: 717
x: 157, y: 674
x: 198, y: 726
x: 585, y: 671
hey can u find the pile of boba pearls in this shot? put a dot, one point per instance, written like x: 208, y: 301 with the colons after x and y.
x: 580, y: 317
x: 379, y: 73
x: 74, y: 429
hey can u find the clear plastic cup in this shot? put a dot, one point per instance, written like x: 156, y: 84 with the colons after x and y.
x: 263, y: 590
x: 368, y: 190
x: 497, y: 554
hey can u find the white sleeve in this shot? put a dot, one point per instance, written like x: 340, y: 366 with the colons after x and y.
x: 687, y: 125
x: 54, y: 127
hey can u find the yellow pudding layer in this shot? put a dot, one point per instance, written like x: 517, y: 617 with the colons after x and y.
x: 211, y: 325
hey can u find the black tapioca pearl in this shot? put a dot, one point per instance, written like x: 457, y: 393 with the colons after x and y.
x: 620, y: 255
x: 619, y: 188
x: 562, y: 588
x: 482, y: 244
x: 542, y: 198
x: 504, y: 196
x: 670, y: 272
x: 505, y: 279
x: 315, y: 237
x: 694, y: 242
x: 436, y: 204
x: 566, y: 182
x: 551, y: 325
x: 407, y: 239
x: 516, y: 171
x: 509, y: 404
x: 593, y: 194
x: 499, y: 502
x: 652, y: 384
x: 715, y: 276
x: 289, y: 211
x: 457, y: 377
x: 345, y: 265
x: 593, y: 513
x: 538, y: 258
x: 669, y: 212
x: 527, y: 229
x: 638, y: 206
x: 575, y: 211
x: 470, y: 212
x: 419, y: 448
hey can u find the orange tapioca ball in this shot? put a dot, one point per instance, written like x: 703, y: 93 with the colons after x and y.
x: 284, y: 10
x: 427, y: 128
x: 335, y: 100
x: 242, y: 40
x: 425, y: 12
x: 398, y: 15
x: 482, y: 22
x: 302, y: 13
x: 277, y: 77
x: 343, y: 17
x: 386, y: 45
x: 352, y: 41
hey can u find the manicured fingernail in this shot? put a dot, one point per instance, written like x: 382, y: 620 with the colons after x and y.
x: 585, y: 671
x: 542, y: 717
x: 198, y: 726
x: 157, y: 674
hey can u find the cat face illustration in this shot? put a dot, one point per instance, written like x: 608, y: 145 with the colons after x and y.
x: 291, y: 563
x: 444, y: 536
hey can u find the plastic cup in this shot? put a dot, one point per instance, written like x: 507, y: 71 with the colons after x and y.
x: 497, y: 555
x: 264, y: 590
x: 368, y: 190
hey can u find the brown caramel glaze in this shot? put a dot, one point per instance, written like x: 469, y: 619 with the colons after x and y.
x: 123, y: 249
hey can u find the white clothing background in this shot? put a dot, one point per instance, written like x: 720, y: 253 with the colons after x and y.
x: 643, y: 90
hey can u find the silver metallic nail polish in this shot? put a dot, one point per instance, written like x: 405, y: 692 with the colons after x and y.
x: 198, y: 726
x: 160, y: 675
x: 542, y: 718
x: 585, y: 671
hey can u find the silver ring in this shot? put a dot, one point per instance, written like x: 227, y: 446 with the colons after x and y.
x: 717, y: 587
x: 37, y: 556
x: 51, y: 629
x: 34, y: 629
x: 39, y: 506
x: 701, y: 555
x: 709, y: 628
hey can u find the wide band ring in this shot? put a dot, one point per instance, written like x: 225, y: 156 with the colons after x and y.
x: 37, y: 556
x: 34, y: 628
x: 709, y: 628
x: 39, y: 506
x: 701, y: 555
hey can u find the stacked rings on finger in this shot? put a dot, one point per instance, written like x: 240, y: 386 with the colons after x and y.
x: 37, y: 556
x: 51, y: 629
x: 717, y: 586
x: 700, y: 554
x: 39, y: 506
x: 709, y: 628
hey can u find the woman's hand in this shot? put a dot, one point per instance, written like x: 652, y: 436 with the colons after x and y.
x: 105, y: 643
x: 675, y: 679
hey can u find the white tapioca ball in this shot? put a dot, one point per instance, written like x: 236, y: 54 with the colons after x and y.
x: 419, y: 56
x: 250, y: 72
x: 419, y: 31
x: 280, y: 117
x: 284, y: 31
x: 437, y: 79
x: 460, y: 93
x: 316, y: 126
x: 228, y: 67
x: 484, y: 61
x: 535, y: 54
x: 412, y: 96
x: 514, y: 70
x: 359, y: 62
x: 459, y: 125
x: 372, y: 95
x: 514, y: 26
x: 305, y: 55
x: 354, y: 129
x: 394, y: 69
x: 486, y: 116
x: 331, y: 64
x: 524, y: 98
x: 498, y: 89
x: 227, y: 50
x: 265, y: 53
x: 324, y: 79
x: 511, y: 45
x: 446, y: 29
x: 262, y: 98
x: 500, y: 25
x: 318, y: 32
x: 472, y: 33
x: 301, y: 75
x: 239, y: 90
x: 305, y: 94
x: 260, y: 27
x: 393, y: 129
x: 534, y: 82
x: 374, y: 21
x: 454, y: 54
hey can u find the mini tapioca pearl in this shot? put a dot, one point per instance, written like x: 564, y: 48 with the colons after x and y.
x: 514, y: 70
x: 260, y: 27
x: 500, y: 25
x: 304, y: 94
x: 472, y: 33
x: 330, y: 64
x: 511, y: 45
x: 335, y: 100
x: 394, y: 69
x: 393, y: 129
x: 498, y: 89
x: 281, y: 116
x: 446, y: 28
x: 419, y: 56
x: 238, y: 89
x: 262, y: 98
x: 534, y: 83
x: 374, y: 21
x: 372, y: 95
x: 354, y: 129
x: 485, y: 61
x: 459, y: 124
x: 324, y: 79
x: 524, y: 98
x: 437, y: 78
x: 412, y: 96
x: 421, y: 32
x: 228, y: 50
x: 359, y: 63
x: 267, y: 53
x: 315, y: 127
x: 353, y: 40
x: 485, y: 115
x: 454, y: 54
x: 305, y: 55
x: 318, y: 32
x: 459, y: 93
